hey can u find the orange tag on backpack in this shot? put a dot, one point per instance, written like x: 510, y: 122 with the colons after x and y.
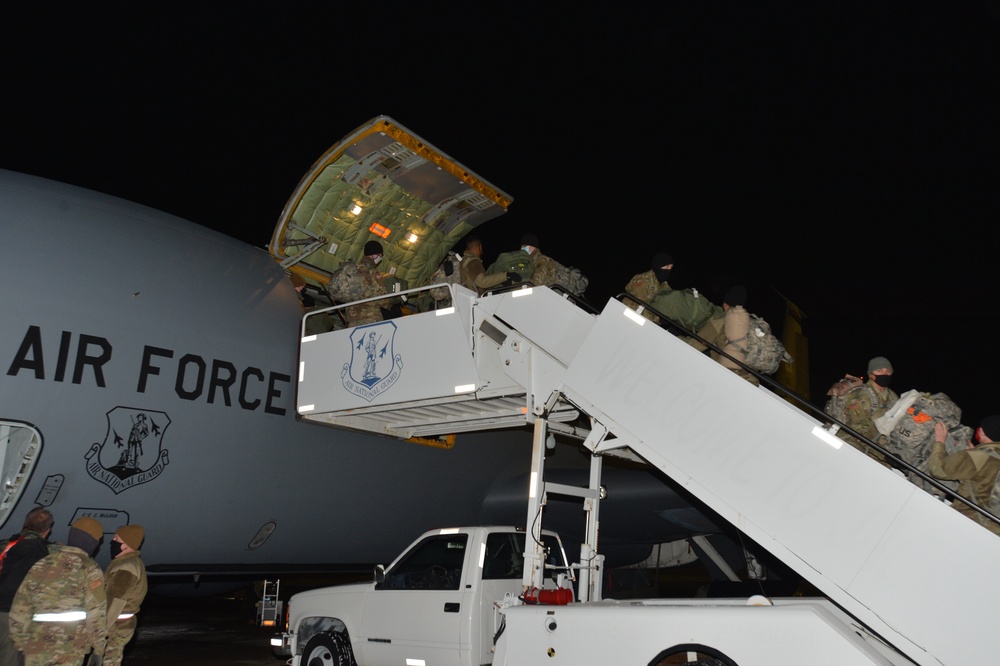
x: 918, y: 416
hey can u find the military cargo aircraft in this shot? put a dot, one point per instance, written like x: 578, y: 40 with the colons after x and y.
x: 149, y: 369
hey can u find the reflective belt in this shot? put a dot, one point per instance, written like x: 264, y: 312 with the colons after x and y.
x: 65, y: 616
x: 125, y: 616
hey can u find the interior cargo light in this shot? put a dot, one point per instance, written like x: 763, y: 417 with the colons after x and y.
x: 357, y: 209
x: 413, y: 238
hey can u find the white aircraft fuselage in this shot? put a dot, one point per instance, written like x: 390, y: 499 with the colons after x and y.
x: 156, y: 360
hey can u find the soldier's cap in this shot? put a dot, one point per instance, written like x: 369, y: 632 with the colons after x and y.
x: 661, y: 259
x: 530, y: 239
x: 373, y: 247
x: 90, y: 526
x: 131, y: 535
x: 879, y: 363
x: 991, y: 426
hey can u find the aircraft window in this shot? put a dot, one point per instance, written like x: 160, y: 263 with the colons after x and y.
x: 20, y: 445
x: 433, y: 564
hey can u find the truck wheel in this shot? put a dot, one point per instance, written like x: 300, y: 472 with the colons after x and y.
x: 328, y: 650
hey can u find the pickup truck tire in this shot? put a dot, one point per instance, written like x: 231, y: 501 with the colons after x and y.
x: 328, y: 650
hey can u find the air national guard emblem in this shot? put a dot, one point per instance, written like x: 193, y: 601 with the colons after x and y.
x: 131, y: 453
x: 373, y: 367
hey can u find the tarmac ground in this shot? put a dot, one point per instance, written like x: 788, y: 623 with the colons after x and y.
x: 221, y: 631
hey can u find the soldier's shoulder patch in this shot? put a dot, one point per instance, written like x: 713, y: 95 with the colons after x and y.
x: 94, y: 584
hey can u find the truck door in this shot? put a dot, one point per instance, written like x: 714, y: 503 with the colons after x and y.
x: 416, y: 614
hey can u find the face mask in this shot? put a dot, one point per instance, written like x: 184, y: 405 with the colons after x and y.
x: 116, y: 549
x: 882, y: 380
x: 526, y: 248
x: 377, y: 259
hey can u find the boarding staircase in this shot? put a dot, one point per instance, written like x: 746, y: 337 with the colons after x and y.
x: 907, y: 566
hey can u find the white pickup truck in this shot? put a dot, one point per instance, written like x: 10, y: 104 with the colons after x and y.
x: 438, y: 603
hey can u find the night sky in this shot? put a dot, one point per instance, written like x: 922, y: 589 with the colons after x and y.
x: 842, y: 154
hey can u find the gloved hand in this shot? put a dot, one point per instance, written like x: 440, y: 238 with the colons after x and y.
x: 513, y: 277
x: 449, y: 268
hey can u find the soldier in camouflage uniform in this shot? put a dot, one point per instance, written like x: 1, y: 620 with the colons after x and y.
x: 125, y: 582
x: 59, y: 613
x: 20, y: 553
x: 367, y: 313
x: 865, y: 403
x: 977, y: 470
x: 645, y: 285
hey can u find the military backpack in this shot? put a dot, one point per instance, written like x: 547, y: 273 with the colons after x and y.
x: 449, y: 272
x: 515, y: 261
x: 837, y: 396
x: 764, y: 351
x: 346, y: 283
x: 549, y: 272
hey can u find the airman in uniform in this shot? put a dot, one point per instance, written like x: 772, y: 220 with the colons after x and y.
x: 367, y: 313
x: 125, y: 582
x: 59, y: 614
x: 645, y: 285
x: 865, y: 403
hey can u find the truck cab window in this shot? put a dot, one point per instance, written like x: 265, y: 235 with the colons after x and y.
x: 433, y: 564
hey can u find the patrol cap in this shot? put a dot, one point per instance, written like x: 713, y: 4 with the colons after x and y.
x: 90, y: 526
x: 879, y: 363
x: 991, y: 426
x: 371, y: 247
x: 131, y: 535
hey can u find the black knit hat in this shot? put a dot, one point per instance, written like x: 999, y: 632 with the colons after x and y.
x: 991, y: 426
x: 530, y: 239
x: 373, y: 247
x: 737, y: 295
x: 661, y: 259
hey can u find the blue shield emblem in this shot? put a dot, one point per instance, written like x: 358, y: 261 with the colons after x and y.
x: 374, y: 366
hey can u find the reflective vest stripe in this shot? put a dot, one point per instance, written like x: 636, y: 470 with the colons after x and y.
x: 65, y: 616
x: 125, y: 616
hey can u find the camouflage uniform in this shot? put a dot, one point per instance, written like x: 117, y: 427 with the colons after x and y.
x: 66, y: 580
x: 977, y: 469
x: 366, y: 313
x: 643, y: 287
x: 862, y: 405
x: 31, y: 547
x: 125, y: 582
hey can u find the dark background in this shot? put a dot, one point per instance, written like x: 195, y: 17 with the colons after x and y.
x: 842, y: 154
